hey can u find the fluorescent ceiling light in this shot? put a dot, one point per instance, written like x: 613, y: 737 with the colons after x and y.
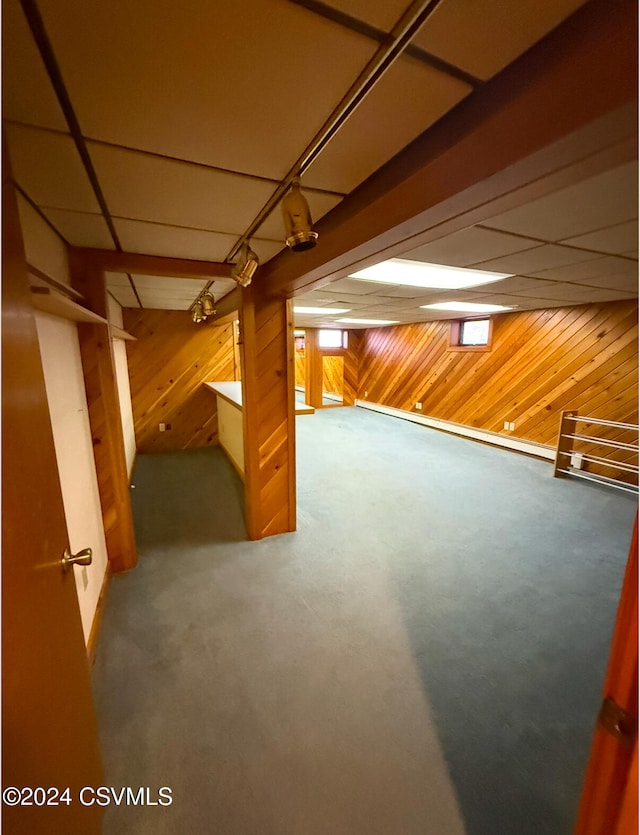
x: 321, y: 310
x: 466, y: 307
x: 368, y: 321
x: 420, y: 274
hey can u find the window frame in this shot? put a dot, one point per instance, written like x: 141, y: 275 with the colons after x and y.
x: 455, y: 334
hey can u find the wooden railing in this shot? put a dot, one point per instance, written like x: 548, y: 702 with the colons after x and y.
x: 579, y: 453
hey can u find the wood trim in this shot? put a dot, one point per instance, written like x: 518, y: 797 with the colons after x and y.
x: 133, y: 262
x: 119, y: 333
x: 291, y: 411
x: 92, y: 642
x: 604, y: 795
x: 42, y: 276
x: 51, y: 301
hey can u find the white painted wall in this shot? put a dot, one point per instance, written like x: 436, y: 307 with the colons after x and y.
x: 64, y: 381
x: 230, y: 431
x: 124, y: 390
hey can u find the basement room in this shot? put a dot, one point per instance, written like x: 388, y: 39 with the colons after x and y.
x: 320, y: 417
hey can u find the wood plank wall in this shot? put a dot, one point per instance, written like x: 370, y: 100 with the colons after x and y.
x: 314, y: 356
x: 333, y: 375
x: 541, y: 362
x: 168, y: 364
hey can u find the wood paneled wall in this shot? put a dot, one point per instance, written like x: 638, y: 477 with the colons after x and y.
x: 168, y: 364
x: 310, y: 369
x: 333, y: 375
x: 541, y: 362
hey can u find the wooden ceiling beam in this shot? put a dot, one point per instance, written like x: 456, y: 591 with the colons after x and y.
x: 569, y: 99
x: 133, y: 262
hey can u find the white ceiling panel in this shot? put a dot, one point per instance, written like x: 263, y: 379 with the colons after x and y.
x: 81, y: 228
x: 354, y: 287
x: 319, y: 205
x: 48, y: 167
x: 181, y: 79
x: 168, y: 284
x: 382, y: 15
x: 483, y: 36
x: 596, y: 268
x: 409, y: 98
x: 29, y: 97
x: 627, y: 283
x: 265, y: 250
x: 144, y: 187
x: 123, y: 295
x: 615, y: 240
x: 536, y: 259
x: 172, y: 241
x: 595, y: 203
x: 116, y: 280
x: 469, y: 246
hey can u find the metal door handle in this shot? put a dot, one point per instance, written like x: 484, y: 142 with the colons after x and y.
x: 83, y: 557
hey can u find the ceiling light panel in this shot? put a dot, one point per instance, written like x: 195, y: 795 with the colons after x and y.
x: 29, y: 97
x: 208, y: 80
x: 469, y: 246
x: 400, y: 110
x: 81, y: 228
x: 172, y: 241
x: 421, y: 274
x: 143, y: 187
x: 483, y: 38
x: 48, y: 167
x: 467, y: 307
x: 596, y: 203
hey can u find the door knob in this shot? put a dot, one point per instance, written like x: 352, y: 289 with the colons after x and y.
x: 83, y: 557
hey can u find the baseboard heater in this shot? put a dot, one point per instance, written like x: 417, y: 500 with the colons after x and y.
x: 484, y: 435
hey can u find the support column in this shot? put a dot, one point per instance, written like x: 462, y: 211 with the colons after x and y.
x: 104, y: 418
x: 268, y: 376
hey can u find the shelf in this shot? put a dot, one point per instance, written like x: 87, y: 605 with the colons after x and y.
x: 119, y: 333
x: 51, y: 301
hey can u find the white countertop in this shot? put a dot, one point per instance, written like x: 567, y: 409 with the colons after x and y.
x: 231, y: 391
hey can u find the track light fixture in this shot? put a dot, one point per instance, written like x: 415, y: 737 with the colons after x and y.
x: 297, y: 220
x: 208, y: 304
x: 246, y: 266
x: 197, y: 312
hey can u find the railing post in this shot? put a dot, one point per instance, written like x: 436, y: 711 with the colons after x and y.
x: 565, y: 442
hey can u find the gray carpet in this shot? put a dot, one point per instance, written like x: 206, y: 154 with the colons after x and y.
x: 424, y: 656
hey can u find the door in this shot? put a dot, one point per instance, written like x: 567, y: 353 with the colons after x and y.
x: 50, y: 737
x: 609, y: 803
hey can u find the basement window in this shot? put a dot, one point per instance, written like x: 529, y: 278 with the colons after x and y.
x: 470, y: 335
x: 332, y: 339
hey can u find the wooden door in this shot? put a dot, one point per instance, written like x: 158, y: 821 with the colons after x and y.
x: 609, y: 803
x: 49, y: 729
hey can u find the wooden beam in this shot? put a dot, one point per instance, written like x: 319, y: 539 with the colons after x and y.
x: 104, y: 417
x: 133, y: 262
x: 564, y: 110
x: 266, y: 324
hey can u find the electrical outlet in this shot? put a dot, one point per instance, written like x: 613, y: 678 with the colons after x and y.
x: 507, y: 425
x: 366, y: 394
x: 419, y: 406
x: 85, y: 578
x: 162, y: 427
x: 512, y: 426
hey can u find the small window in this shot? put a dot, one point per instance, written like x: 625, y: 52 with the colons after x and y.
x: 474, y: 332
x: 333, y: 339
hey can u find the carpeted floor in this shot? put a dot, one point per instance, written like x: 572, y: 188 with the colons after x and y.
x: 423, y: 657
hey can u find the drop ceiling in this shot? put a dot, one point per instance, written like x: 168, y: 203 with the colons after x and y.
x: 189, y: 116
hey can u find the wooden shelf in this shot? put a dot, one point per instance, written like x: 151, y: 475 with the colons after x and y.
x: 51, y: 301
x: 119, y: 333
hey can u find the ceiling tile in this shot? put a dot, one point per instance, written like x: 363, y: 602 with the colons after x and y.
x: 597, y: 267
x: 355, y: 287
x: 483, y: 37
x: 399, y: 109
x: 172, y: 241
x: 627, y: 283
x: 116, y: 280
x: 468, y: 246
x: 265, y: 250
x: 319, y: 205
x: 167, y: 284
x: 123, y: 295
x: 49, y: 169
x: 598, y: 202
x: 615, y: 240
x: 81, y: 228
x: 152, y: 302
x: 381, y: 15
x: 210, y: 78
x: 515, y: 284
x: 143, y: 187
x: 536, y: 259
x: 29, y: 97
